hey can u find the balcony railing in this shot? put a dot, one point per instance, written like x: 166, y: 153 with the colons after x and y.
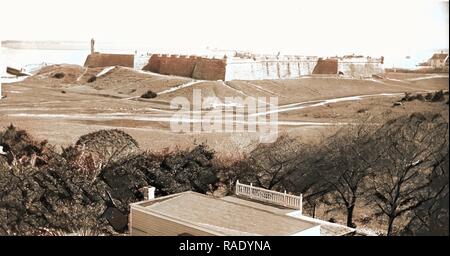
x: 270, y: 196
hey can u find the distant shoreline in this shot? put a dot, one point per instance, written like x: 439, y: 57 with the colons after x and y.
x: 46, y: 45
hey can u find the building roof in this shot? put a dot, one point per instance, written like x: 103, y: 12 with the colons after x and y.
x: 225, y: 216
x: 439, y: 56
x: 242, y: 200
x: 326, y: 228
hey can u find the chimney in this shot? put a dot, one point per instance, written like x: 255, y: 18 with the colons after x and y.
x: 149, y: 193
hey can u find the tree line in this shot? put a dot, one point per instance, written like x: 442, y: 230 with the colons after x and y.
x: 398, y: 169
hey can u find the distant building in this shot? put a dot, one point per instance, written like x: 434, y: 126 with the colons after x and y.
x: 439, y: 60
x: 251, y: 211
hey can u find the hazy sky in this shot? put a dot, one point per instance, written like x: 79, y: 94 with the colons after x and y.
x: 327, y: 27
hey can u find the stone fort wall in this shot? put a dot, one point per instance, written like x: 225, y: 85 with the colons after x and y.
x: 251, y: 67
x: 188, y: 66
x: 269, y: 67
x: 360, y: 67
x: 326, y: 67
x: 95, y: 60
x: 262, y: 67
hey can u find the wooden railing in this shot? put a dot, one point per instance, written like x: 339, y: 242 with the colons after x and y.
x: 270, y: 196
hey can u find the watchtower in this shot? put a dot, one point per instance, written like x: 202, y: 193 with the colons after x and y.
x: 92, y: 45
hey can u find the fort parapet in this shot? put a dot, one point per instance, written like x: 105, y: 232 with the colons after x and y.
x: 242, y: 66
x: 258, y: 67
x: 188, y: 66
x: 95, y: 60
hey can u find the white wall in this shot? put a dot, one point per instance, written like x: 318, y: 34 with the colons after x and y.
x: 437, y: 63
x: 360, y: 67
x: 292, y: 67
x: 141, y: 59
x: 269, y: 68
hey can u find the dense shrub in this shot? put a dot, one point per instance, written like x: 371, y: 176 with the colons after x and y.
x: 149, y: 95
x: 90, y: 185
x: 58, y: 75
x: 92, y: 79
x: 438, y: 96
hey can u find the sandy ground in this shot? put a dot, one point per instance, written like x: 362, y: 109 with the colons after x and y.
x: 60, y: 110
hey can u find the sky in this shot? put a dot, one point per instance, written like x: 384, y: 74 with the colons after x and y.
x: 309, y: 27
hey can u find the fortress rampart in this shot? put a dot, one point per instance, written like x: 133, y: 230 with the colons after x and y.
x: 187, y: 66
x: 258, y: 67
x: 326, y: 67
x: 95, y: 60
x: 269, y: 67
x: 360, y: 66
x: 242, y: 66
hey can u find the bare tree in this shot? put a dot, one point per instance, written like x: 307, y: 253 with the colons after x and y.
x: 432, y: 217
x: 346, y: 161
x: 407, y: 147
x: 270, y: 165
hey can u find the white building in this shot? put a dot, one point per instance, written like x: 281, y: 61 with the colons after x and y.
x: 251, y: 211
x: 439, y: 60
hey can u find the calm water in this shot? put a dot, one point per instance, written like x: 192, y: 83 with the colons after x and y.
x: 28, y: 58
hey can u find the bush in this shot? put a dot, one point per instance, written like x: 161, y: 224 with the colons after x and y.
x: 149, y: 95
x: 58, y: 75
x: 412, y: 97
x: 438, y: 96
x: 24, y: 149
x: 363, y: 110
x: 92, y: 79
x: 406, y: 97
x: 90, y: 185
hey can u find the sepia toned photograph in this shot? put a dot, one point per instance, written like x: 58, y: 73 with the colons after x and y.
x: 224, y: 118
